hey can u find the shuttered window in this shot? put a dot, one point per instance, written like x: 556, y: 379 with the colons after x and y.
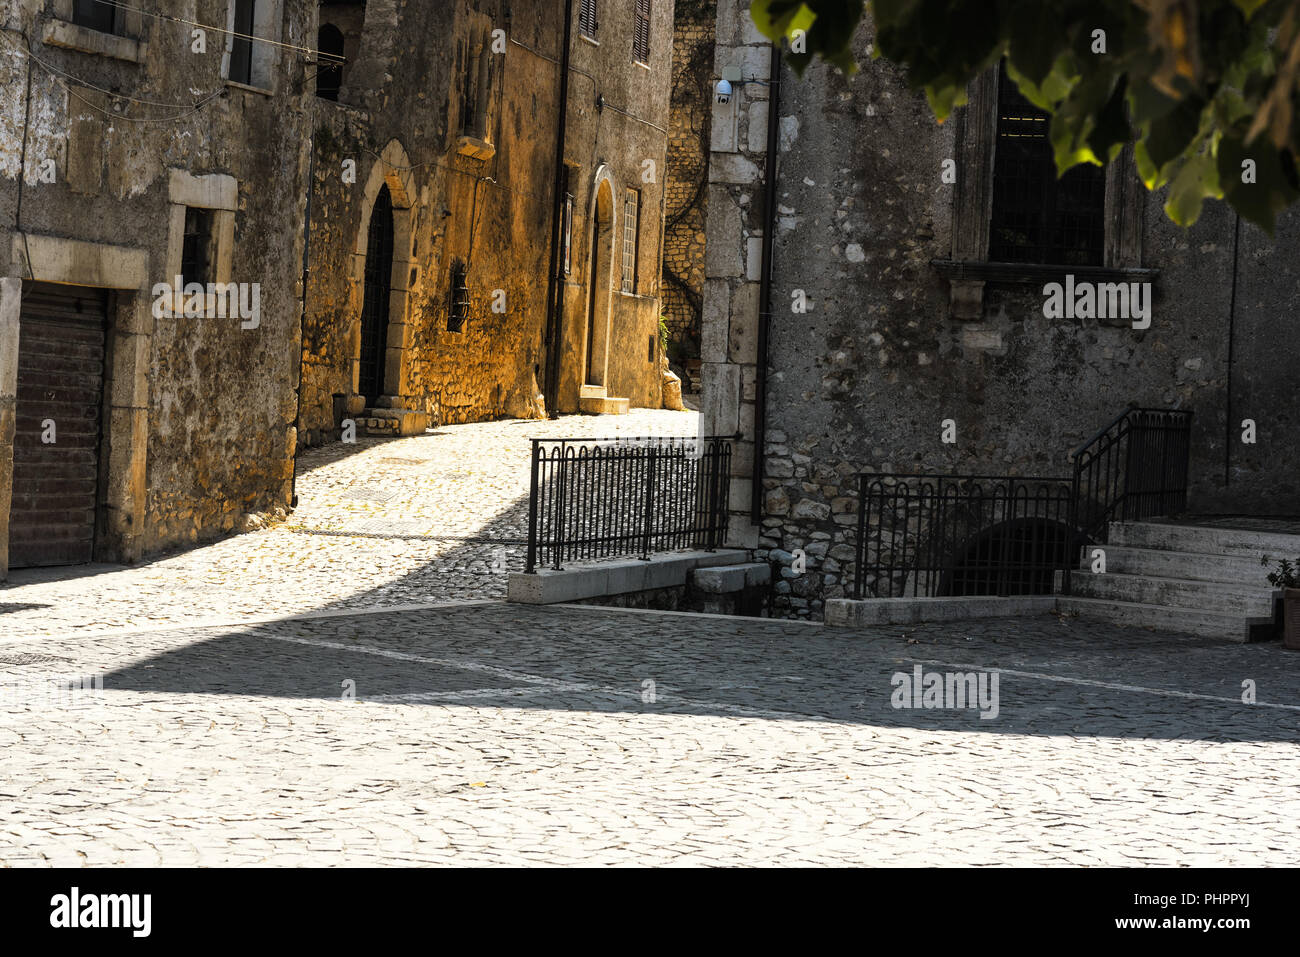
x: 587, y: 23
x: 631, y: 209
x: 641, y: 32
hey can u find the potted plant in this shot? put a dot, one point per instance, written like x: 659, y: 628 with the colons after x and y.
x: 1287, y: 577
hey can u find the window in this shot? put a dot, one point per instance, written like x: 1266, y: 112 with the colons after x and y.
x: 587, y: 23
x: 329, y: 70
x: 641, y: 32
x: 631, y: 207
x: 1036, y: 217
x: 458, y: 311
x: 196, y: 247
x: 95, y: 14
x: 241, y: 49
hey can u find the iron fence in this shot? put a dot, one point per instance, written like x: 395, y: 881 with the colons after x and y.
x: 617, y: 497
x: 929, y: 535
x: 1136, y: 467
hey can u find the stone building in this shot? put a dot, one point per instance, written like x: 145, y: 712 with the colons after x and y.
x: 906, y: 328
x: 424, y: 211
x: 435, y: 223
x: 136, y: 148
x: 688, y: 178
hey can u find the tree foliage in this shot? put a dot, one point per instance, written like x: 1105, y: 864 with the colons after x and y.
x: 1207, y: 90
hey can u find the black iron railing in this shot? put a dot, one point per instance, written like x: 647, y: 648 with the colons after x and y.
x: 1135, y: 467
x: 931, y: 535
x: 927, y: 535
x: 617, y: 497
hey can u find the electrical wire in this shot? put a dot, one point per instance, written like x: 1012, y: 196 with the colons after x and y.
x: 203, y: 26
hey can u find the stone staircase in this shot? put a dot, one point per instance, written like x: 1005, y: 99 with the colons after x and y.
x: 1197, y: 579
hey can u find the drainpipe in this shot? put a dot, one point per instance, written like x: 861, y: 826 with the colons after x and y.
x: 555, y: 287
x: 765, y: 284
x: 302, y: 322
x: 1232, y: 322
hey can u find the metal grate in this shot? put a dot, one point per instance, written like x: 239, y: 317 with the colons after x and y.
x: 1038, y: 218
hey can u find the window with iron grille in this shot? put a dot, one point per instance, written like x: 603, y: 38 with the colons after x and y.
x: 96, y: 15
x: 631, y: 209
x: 1038, y: 218
x: 196, y: 248
x: 641, y: 32
x: 587, y: 22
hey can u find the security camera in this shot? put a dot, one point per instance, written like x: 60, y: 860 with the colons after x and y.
x: 723, y: 91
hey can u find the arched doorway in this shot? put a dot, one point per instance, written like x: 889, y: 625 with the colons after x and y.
x: 329, y: 76
x: 600, y: 285
x: 375, y: 304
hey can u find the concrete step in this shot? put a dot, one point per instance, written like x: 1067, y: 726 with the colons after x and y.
x: 1189, y: 621
x: 1205, y: 540
x: 592, y: 405
x: 725, y: 579
x: 1186, y: 565
x: 1235, y: 599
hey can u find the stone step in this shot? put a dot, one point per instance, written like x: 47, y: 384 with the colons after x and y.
x: 592, y: 405
x: 1235, y: 599
x: 725, y: 579
x: 1190, y: 621
x: 1205, y: 539
x: 1186, y: 565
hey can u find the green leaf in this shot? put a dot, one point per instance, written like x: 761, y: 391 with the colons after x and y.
x: 1198, y: 179
x: 1276, y: 184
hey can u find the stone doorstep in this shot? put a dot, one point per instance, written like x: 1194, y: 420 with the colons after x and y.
x: 848, y: 613
x: 598, y: 579
x: 594, y: 405
x: 395, y: 422
x: 728, y: 579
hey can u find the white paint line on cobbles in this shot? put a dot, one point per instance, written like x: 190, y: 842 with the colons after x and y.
x: 1109, y: 685
x: 686, y: 614
x: 546, y: 684
x: 239, y: 622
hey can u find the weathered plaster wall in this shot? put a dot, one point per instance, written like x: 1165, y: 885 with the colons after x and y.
x: 864, y: 379
x: 218, y: 400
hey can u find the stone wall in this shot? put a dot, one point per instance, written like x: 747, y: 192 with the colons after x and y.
x: 484, y: 204
x: 864, y: 379
x: 688, y: 175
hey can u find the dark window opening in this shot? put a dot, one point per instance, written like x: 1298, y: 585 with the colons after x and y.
x: 458, y: 309
x: 588, y: 25
x: 641, y: 32
x: 377, y: 293
x: 196, y: 249
x: 241, y: 49
x: 1038, y: 218
x: 329, y: 71
x: 96, y: 15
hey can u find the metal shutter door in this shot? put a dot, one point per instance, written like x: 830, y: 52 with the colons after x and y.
x: 60, y: 377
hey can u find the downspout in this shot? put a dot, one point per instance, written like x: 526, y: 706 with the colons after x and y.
x: 1232, y: 322
x: 765, y: 284
x: 302, y: 321
x: 555, y: 288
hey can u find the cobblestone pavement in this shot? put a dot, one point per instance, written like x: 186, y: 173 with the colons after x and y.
x: 499, y: 734
x: 381, y: 522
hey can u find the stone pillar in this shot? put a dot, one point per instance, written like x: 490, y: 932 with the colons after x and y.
x: 733, y: 254
x: 10, y: 300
